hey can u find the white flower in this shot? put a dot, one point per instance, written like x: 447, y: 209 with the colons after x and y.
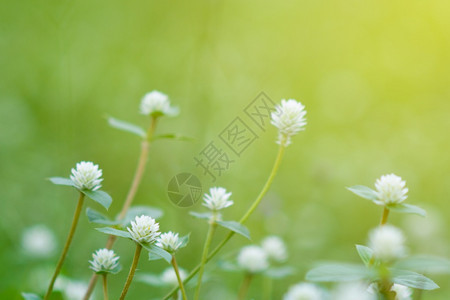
x: 157, y: 103
x: 144, y: 229
x: 350, y: 291
x: 74, y: 290
x: 289, y: 118
x: 390, y: 189
x: 253, y: 259
x: 402, y: 292
x: 38, y: 241
x: 86, y: 176
x: 169, y: 241
x: 275, y: 248
x: 104, y: 260
x: 170, y: 278
x: 387, y: 242
x: 304, y: 291
x: 217, y: 199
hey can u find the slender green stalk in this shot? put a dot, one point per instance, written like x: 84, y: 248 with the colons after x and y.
x: 105, y: 286
x: 140, y: 169
x: 258, y: 199
x: 385, y: 216
x: 209, y: 237
x: 245, y: 286
x: 268, y: 285
x: 60, y: 263
x: 133, y: 267
x: 180, y: 282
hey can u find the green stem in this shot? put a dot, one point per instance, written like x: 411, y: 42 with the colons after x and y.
x: 133, y: 267
x: 105, y: 287
x: 385, y: 216
x: 140, y: 169
x: 268, y: 285
x: 180, y: 282
x: 211, y: 230
x: 258, y: 199
x: 245, y: 286
x: 60, y: 263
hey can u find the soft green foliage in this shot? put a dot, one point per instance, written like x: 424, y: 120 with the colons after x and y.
x: 125, y: 126
x: 236, y: 227
x: 365, y: 253
x: 339, y: 272
x: 413, y: 280
x: 101, y: 197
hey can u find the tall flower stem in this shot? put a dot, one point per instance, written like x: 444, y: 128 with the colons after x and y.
x: 244, y: 218
x: 385, y: 216
x: 137, y: 254
x: 60, y: 263
x: 245, y: 286
x: 140, y: 169
x: 209, y: 237
x: 105, y: 286
x: 268, y: 285
x: 180, y: 281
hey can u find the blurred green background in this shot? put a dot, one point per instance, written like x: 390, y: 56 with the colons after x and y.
x: 374, y: 76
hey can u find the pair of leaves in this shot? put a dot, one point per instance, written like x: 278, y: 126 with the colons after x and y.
x: 230, y: 225
x: 99, y: 218
x: 101, y: 197
x: 369, y: 194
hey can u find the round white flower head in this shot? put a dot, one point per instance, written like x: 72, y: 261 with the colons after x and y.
x: 38, y: 241
x: 74, y: 289
x: 217, y: 199
x: 87, y: 176
x: 104, y: 261
x: 156, y: 103
x: 402, y: 292
x: 387, y: 243
x: 170, y: 278
x: 349, y: 291
x: 390, y: 189
x: 253, y: 259
x: 144, y: 229
x: 289, y: 118
x: 169, y: 241
x: 275, y: 248
x: 304, y: 291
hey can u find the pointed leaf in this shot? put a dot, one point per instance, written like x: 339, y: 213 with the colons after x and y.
x: 116, y: 232
x: 99, y: 218
x: 198, y: 215
x: 364, y: 192
x: 125, y: 126
x: 425, y: 264
x: 61, y: 181
x: 413, y: 280
x: 280, y: 272
x: 30, y: 296
x: 408, y: 209
x: 99, y: 196
x: 365, y: 253
x: 155, y: 251
x: 173, y: 136
x: 338, y: 272
x: 135, y: 211
x: 184, y: 240
x: 236, y: 227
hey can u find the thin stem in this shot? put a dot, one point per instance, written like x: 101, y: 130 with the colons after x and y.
x: 180, y: 282
x: 140, y: 169
x: 137, y: 253
x: 60, y: 263
x: 268, y: 285
x: 385, y: 216
x: 258, y: 199
x: 245, y: 286
x: 209, y: 237
x: 105, y: 287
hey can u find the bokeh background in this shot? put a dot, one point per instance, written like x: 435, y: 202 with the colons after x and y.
x: 374, y: 76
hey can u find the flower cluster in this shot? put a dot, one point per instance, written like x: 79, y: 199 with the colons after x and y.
x: 104, y: 261
x: 217, y: 199
x: 156, y: 103
x: 390, y: 189
x: 86, y: 176
x: 387, y: 243
x: 253, y: 259
x: 144, y: 229
x: 289, y: 118
x: 169, y: 241
x: 275, y: 248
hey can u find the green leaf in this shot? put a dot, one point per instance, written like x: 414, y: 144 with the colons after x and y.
x: 135, y: 211
x: 155, y: 251
x: 365, y: 253
x: 280, y: 272
x: 125, y: 126
x: 425, y: 264
x: 236, y: 227
x: 184, y: 240
x: 99, y: 218
x: 61, y: 181
x: 116, y: 232
x: 99, y: 196
x: 339, y: 272
x: 173, y: 136
x: 408, y: 209
x: 364, y: 192
x: 30, y: 296
x: 151, y: 279
x: 206, y: 216
x: 413, y: 280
